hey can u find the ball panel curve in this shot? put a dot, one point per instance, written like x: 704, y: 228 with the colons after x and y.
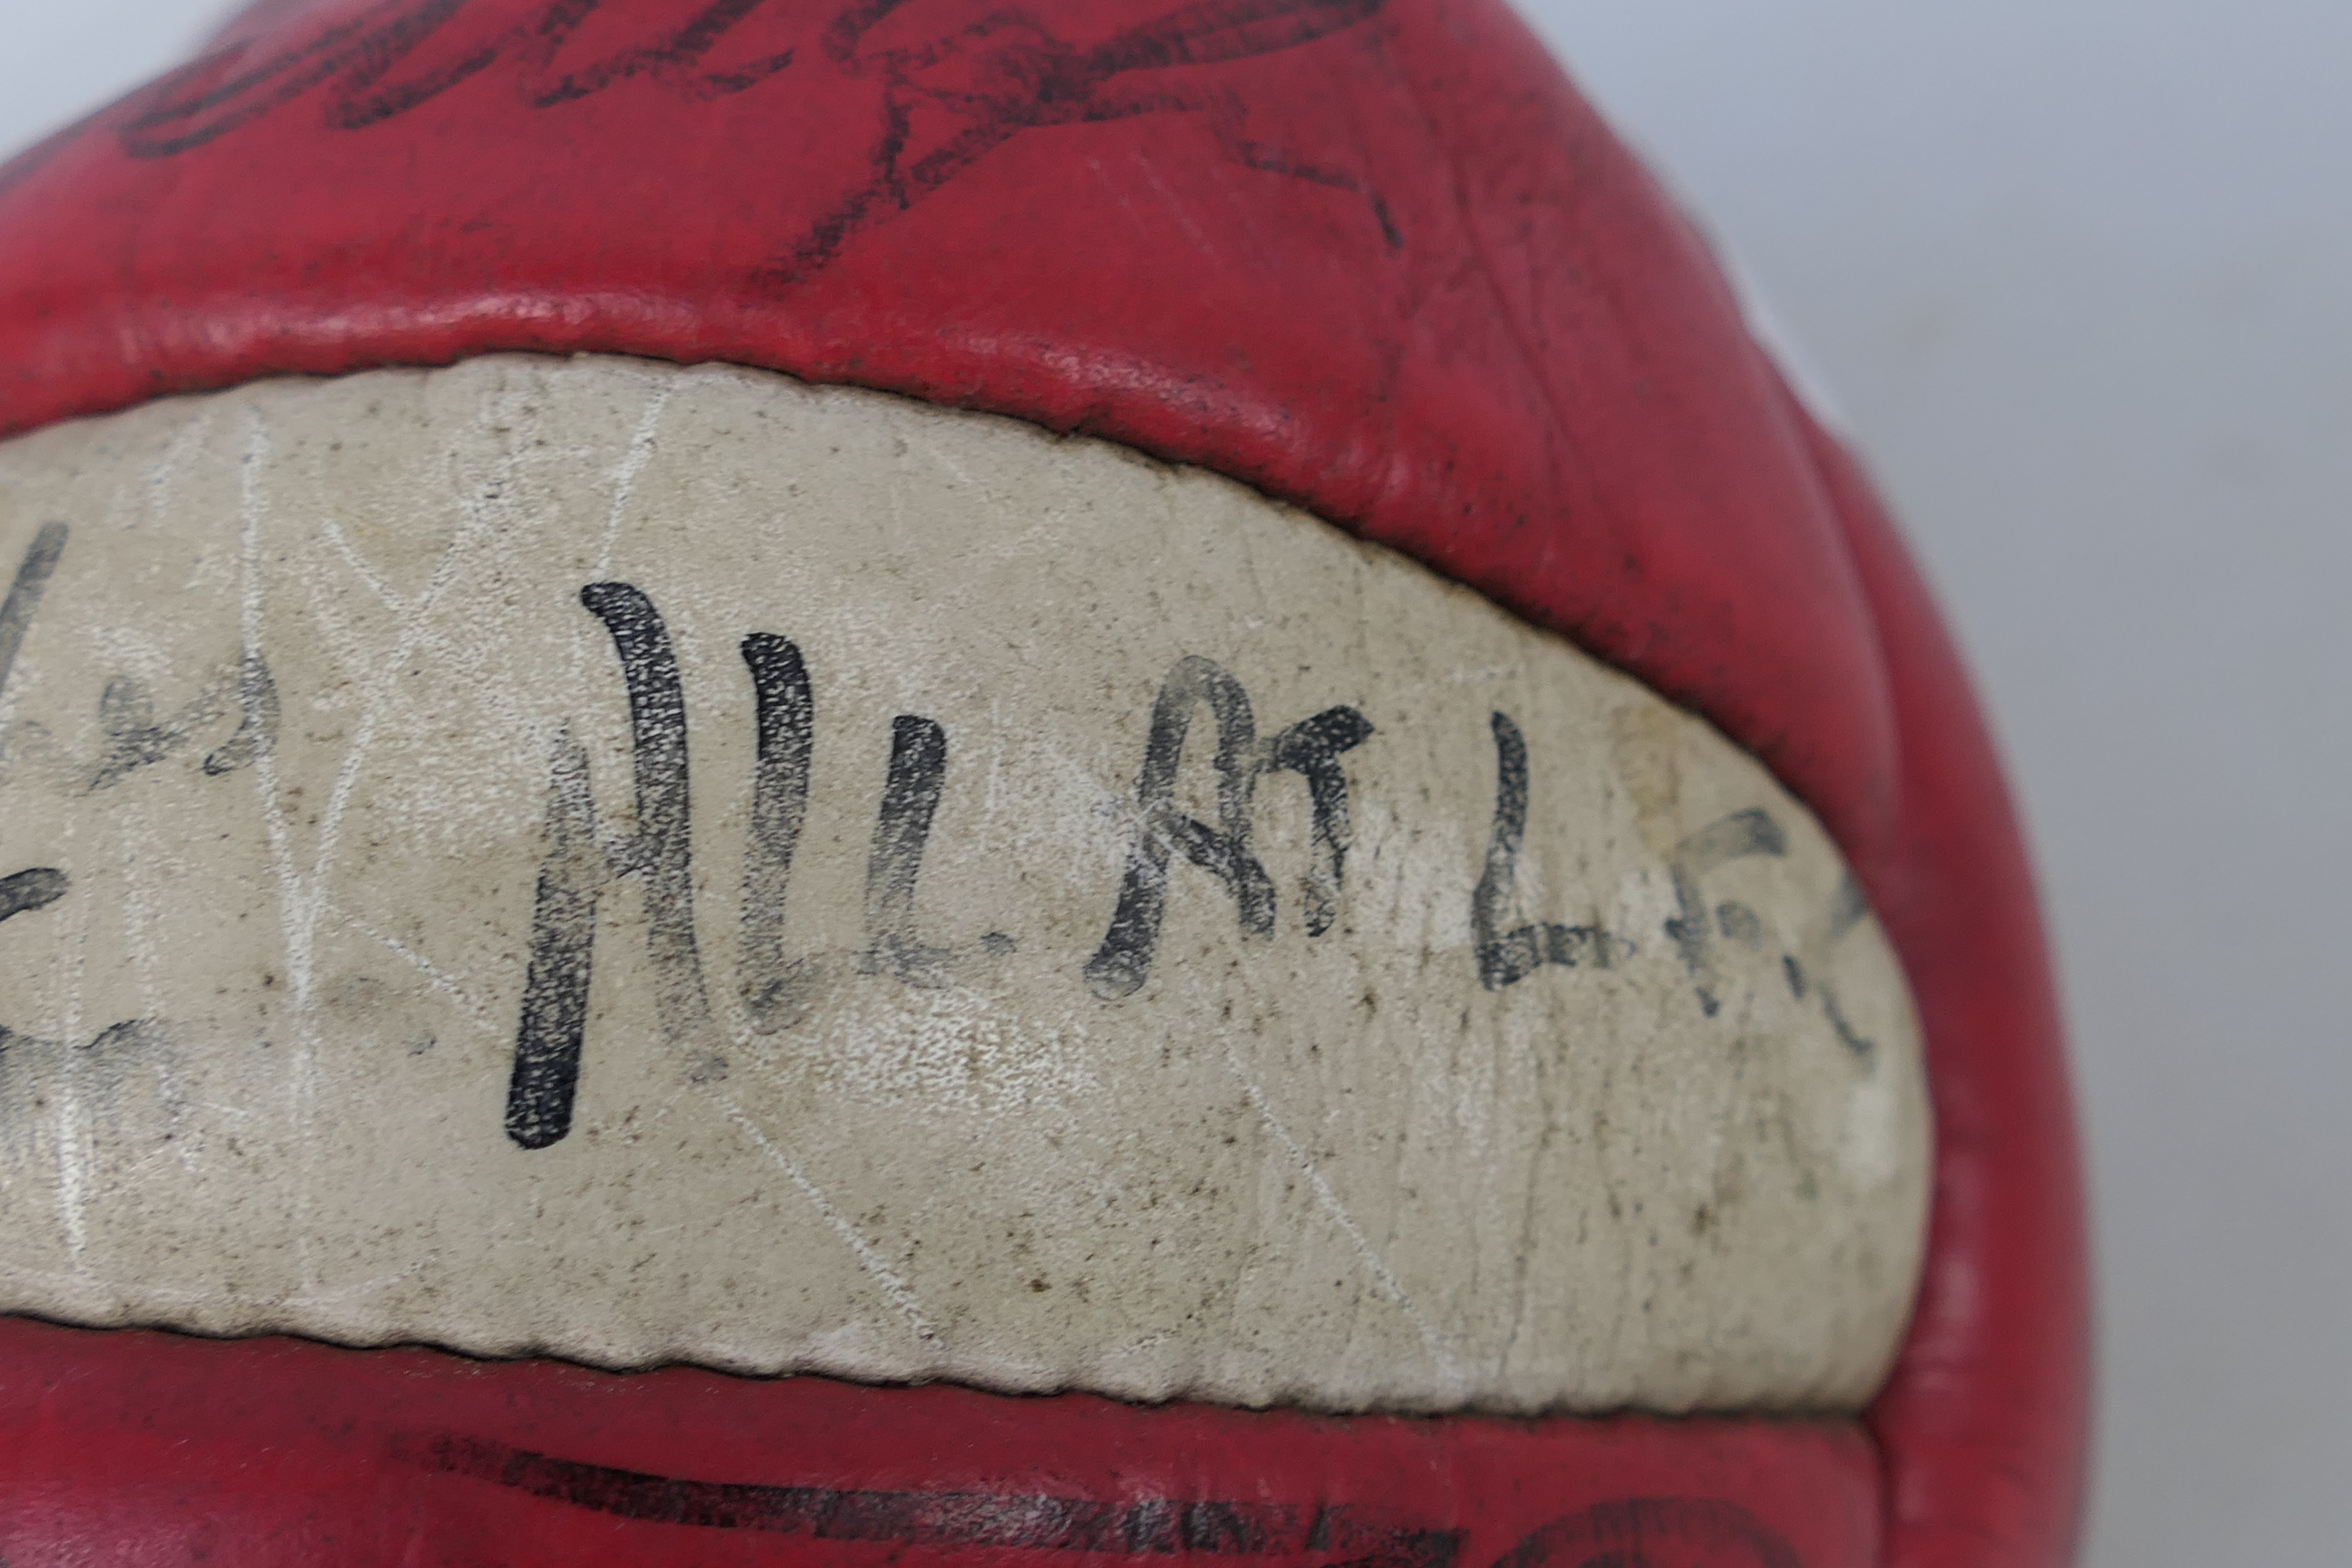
x: 646, y: 865
x: 1374, y: 259
x: 154, y: 1450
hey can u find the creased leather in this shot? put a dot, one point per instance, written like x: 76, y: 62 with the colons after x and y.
x: 1375, y: 259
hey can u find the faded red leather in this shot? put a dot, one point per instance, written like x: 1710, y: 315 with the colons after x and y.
x: 1984, y: 1420
x: 275, y: 1454
x: 1376, y: 259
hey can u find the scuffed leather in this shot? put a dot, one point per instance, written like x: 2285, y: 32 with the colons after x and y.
x: 1375, y: 259
x: 140, y: 1450
x: 1983, y: 1422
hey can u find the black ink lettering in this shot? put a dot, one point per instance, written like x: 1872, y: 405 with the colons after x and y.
x: 39, y: 886
x: 562, y: 950
x: 671, y: 59
x: 352, y: 57
x: 932, y: 123
x: 1060, y: 81
x: 1848, y: 908
x: 1504, y: 961
x: 902, y: 829
x: 25, y: 592
x: 1734, y: 837
x: 359, y: 100
x: 133, y: 739
x: 136, y: 739
x: 99, y: 1071
x: 776, y: 993
x: 1506, y: 957
x: 661, y: 850
x: 579, y: 863
x: 1796, y: 975
x: 256, y: 729
x: 1274, y: 161
x: 214, y: 95
x: 1310, y: 748
x: 26, y: 891
x: 1635, y: 1531
x: 1121, y: 964
x: 1736, y: 922
x: 1146, y: 1527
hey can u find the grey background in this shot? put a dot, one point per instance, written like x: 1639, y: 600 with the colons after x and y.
x: 2078, y: 274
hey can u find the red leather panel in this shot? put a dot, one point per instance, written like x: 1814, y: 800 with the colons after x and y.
x: 139, y: 1450
x: 1375, y: 257
x: 1984, y: 1421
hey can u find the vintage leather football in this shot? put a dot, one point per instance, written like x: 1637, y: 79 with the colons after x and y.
x: 918, y: 782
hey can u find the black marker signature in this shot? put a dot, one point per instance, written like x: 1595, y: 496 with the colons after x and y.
x: 1698, y: 933
x: 39, y: 888
x: 583, y: 860
x: 947, y: 103
x: 1310, y: 748
x: 355, y: 63
x: 1719, y: 843
x: 902, y: 828
x: 1650, y: 1532
x: 1506, y: 957
x: 944, y: 104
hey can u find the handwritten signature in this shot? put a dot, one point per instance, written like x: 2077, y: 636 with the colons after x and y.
x: 939, y: 106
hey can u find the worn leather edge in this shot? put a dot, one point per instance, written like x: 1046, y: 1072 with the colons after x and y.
x: 1983, y: 1421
